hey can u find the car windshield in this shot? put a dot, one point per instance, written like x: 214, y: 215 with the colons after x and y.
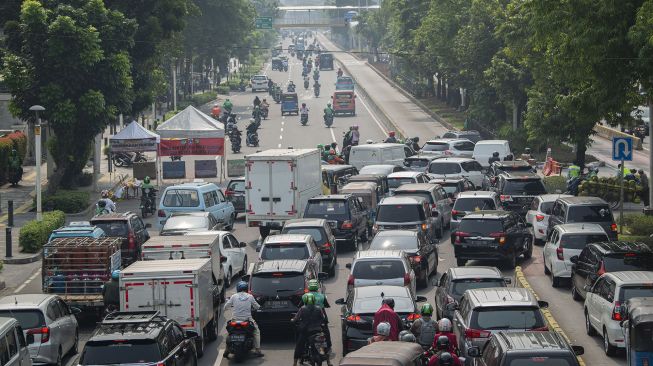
x: 543, y: 361
x: 237, y: 186
x: 444, y: 168
x: 579, y: 241
x: 397, y: 182
x: 113, y: 228
x: 378, y: 269
x: 408, y: 243
x: 530, y: 187
x: 426, y: 195
x: 630, y: 262
x: 629, y: 292
x: 121, y: 352
x: 480, y: 227
x: 474, y: 204
x: 186, y: 222
x: 507, y: 318
x: 589, y: 214
x: 326, y: 208
x: 450, y: 187
x: 642, y: 337
x: 370, y: 305
x: 284, y: 251
x: 28, y: 319
x: 272, y: 284
x: 399, y: 213
x: 460, y: 286
x: 435, y: 146
x: 181, y: 198
x: 314, y: 232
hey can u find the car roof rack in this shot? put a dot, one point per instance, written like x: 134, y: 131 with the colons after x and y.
x: 130, y: 317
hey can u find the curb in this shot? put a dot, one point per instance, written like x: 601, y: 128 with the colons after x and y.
x: 2, y: 285
x: 551, y: 322
x: 24, y: 260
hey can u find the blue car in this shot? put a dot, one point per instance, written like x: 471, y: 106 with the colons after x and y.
x: 78, y: 229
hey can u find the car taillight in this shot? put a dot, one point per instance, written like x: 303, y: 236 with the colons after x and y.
x: 44, y: 332
x: 228, y: 193
x: 354, y: 318
x: 505, y: 198
x: 459, y: 235
x: 476, y: 333
x: 350, y: 280
x: 424, y: 227
x: 412, y: 317
x: 613, y: 227
x: 406, y: 279
x: 455, y: 212
x: 326, y: 248
x: 161, y: 213
x: 132, y: 240
x: 347, y: 225
x: 539, y: 218
x: 415, y: 259
x: 560, y: 253
x: 616, y: 311
x: 501, y: 237
x: 601, y: 270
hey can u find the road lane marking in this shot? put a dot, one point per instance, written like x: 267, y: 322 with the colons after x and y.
x: 30, y: 279
x: 281, y: 129
x: 218, y: 360
x: 333, y: 135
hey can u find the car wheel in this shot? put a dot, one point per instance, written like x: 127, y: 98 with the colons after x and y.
x: 528, y: 250
x: 213, y: 330
x: 511, y: 261
x: 440, y: 233
x: 461, y: 262
x: 574, y: 293
x: 332, y: 270
x: 75, y: 347
x: 59, y: 361
x: 546, y: 269
x: 588, y: 326
x: 199, y: 345
x: 227, y: 278
x: 243, y: 271
x: 609, y: 349
x: 364, y: 236
x: 555, y: 281
x: 232, y: 222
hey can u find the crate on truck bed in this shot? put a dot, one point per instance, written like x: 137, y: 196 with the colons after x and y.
x: 77, y: 268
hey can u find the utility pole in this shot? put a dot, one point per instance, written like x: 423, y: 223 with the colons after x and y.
x: 174, y: 86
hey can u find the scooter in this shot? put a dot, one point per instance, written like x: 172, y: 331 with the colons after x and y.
x: 101, y: 208
x: 265, y: 111
x: 328, y: 121
x: 316, y: 90
x: 252, y: 139
x: 303, y: 119
x: 306, y: 84
x: 236, y: 140
x: 315, y: 351
x: 240, y: 339
x: 148, y: 201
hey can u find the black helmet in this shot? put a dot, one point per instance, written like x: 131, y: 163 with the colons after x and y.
x: 445, y: 359
x: 415, y: 139
x: 495, y: 154
x: 390, y: 302
x: 442, y: 343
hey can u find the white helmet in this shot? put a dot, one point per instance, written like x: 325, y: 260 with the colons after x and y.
x: 383, y: 329
x: 444, y: 325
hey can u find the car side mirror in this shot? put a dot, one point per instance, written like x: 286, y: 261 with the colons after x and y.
x: 578, y: 350
x: 348, y: 265
x: 29, y: 339
x: 322, y: 276
x: 420, y: 299
x: 542, y: 304
x: 243, y: 244
x: 507, y: 280
x: 474, y: 352
x: 75, y: 310
x: 340, y: 301
x: 191, y: 334
x: 574, y: 259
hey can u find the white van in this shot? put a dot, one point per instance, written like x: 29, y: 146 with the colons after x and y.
x: 259, y: 82
x: 485, y: 148
x: 374, y: 154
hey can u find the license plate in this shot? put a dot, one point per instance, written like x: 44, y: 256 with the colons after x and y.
x: 477, y: 243
x: 277, y: 304
x: 237, y: 337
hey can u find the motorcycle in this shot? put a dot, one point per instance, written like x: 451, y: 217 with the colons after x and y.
x: 252, y: 139
x: 285, y: 68
x: 265, y: 111
x: 328, y: 120
x: 236, y: 140
x: 148, y: 201
x: 315, y: 351
x: 303, y: 119
x: 277, y: 97
x: 306, y: 84
x: 123, y: 159
x: 240, y: 339
x: 242, y: 87
x: 15, y: 176
x: 316, y: 91
x: 316, y: 77
x: 101, y: 208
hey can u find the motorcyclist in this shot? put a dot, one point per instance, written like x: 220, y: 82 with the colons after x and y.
x: 316, y: 74
x: 242, y: 303
x: 109, y: 204
x: 15, y: 165
x: 355, y: 135
x: 111, y: 291
x: 446, y: 329
x: 333, y: 158
x: 309, y: 319
x: 303, y: 111
x: 425, y: 327
x: 256, y: 112
x: 307, y: 82
x: 291, y: 87
x: 386, y: 313
x: 265, y: 106
x: 328, y: 112
x: 415, y: 143
x: 346, y: 140
x: 147, y: 184
x: 445, y: 359
x: 339, y: 72
x: 257, y: 102
x: 494, y: 157
x: 227, y: 105
x: 391, y: 139
x: 285, y: 64
x: 382, y: 333
x: 527, y: 154
x: 574, y: 171
x: 316, y: 87
x: 270, y: 85
x: 251, y: 127
x: 322, y: 302
x: 216, y: 111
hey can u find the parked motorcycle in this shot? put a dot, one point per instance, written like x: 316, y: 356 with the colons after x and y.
x: 125, y: 159
x: 240, y: 339
x: 303, y: 119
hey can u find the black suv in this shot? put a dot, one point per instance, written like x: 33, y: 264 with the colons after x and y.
x: 593, y: 210
x: 499, y: 167
x: 145, y: 338
x: 526, y: 348
x: 517, y: 190
x: 321, y: 232
x: 126, y: 225
x: 610, y: 256
x: 235, y: 193
x: 494, y: 235
x: 278, y: 286
x: 345, y: 214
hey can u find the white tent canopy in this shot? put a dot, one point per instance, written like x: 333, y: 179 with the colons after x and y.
x: 134, y: 137
x: 190, y: 123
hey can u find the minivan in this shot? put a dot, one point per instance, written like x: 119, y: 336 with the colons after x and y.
x: 593, y: 210
x: 407, y: 213
x: 194, y: 197
x: 381, y: 153
x: 484, y: 149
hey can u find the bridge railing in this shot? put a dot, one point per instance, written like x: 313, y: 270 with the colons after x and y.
x: 311, y: 21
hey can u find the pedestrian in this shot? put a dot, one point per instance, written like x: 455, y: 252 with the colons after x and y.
x: 643, y: 181
x: 386, y: 313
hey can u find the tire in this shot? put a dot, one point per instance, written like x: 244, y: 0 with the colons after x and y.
x: 143, y: 212
x: 511, y: 262
x: 75, y: 348
x: 355, y: 243
x: 425, y: 282
x: 609, y: 349
x: 440, y: 233
x: 227, y: 279
x: 244, y: 270
x: 574, y: 293
x: 546, y: 270
x: 528, y: 253
x: 364, y: 236
x: 212, y: 329
x: 199, y: 346
x: 555, y: 281
x: 461, y: 262
x: 233, y: 222
x: 588, y: 326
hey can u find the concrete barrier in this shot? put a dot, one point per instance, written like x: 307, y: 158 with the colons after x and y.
x: 609, y: 133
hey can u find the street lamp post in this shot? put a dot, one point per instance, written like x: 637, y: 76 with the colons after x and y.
x: 37, y: 152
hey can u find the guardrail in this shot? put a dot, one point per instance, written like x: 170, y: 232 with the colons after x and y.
x: 609, y: 133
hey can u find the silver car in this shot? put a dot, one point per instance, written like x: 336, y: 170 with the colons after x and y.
x: 381, y: 267
x: 449, y: 147
x: 14, y: 351
x: 48, y: 323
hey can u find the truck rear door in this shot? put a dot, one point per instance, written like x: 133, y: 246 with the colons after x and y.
x: 258, y: 187
x: 283, y: 188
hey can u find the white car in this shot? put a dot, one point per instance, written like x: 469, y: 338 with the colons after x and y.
x: 381, y: 268
x: 604, y: 302
x: 457, y: 168
x: 291, y: 246
x: 395, y: 180
x: 538, y: 214
x: 459, y: 148
x: 566, y: 241
x: 484, y: 149
x: 259, y: 82
x: 233, y: 250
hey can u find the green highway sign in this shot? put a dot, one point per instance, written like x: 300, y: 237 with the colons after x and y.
x: 264, y: 23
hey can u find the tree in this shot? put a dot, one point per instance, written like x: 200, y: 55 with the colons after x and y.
x: 72, y: 57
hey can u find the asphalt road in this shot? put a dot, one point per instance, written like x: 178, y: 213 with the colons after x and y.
x: 281, y: 132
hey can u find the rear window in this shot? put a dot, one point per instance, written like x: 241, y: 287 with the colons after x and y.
x: 181, y: 198
x: 520, y: 317
x: 237, y: 186
x: 546, y: 207
x: 260, y: 78
x: 324, y: 208
x: 400, y: 213
x: 273, y: 284
x: 372, y: 304
x: 113, y: 228
x: 480, y: 226
x: 27, y: 319
x: 635, y: 262
x: 444, y: 168
x: 515, y: 168
x: 284, y: 251
x: 397, y: 182
x: 314, y: 232
x: 629, y: 292
x: 417, y: 163
x: 589, y: 214
x: 472, y: 166
x: 121, y: 352
x: 460, y: 286
x: 641, y: 338
x: 435, y: 146
x: 186, y: 223
x: 579, y: 241
x: 390, y: 242
x: 543, y: 361
x: 529, y: 187
x: 474, y: 204
x: 379, y: 269
x: 451, y: 187
x: 426, y: 195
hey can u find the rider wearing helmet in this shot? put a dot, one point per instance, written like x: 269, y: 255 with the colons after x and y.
x: 333, y: 158
x: 111, y: 291
x: 309, y: 319
x: 216, y: 112
x: 322, y: 302
x: 387, y: 314
x: 494, y: 157
x: 407, y: 336
x: 242, y: 303
x: 328, y: 111
x: 227, y: 105
x: 355, y: 135
x: 108, y: 203
x: 382, y: 333
x: 425, y: 327
x: 446, y: 329
x: 444, y: 358
x: 415, y: 143
x: 304, y: 109
x: 391, y: 138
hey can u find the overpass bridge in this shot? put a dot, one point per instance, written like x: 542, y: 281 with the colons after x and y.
x: 320, y: 16
x: 316, y: 22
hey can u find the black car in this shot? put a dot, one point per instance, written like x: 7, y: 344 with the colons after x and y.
x: 145, y: 338
x: 471, y: 135
x: 517, y: 190
x: 610, y: 256
x: 358, y: 310
x: 453, y: 284
x: 321, y: 232
x: 235, y: 193
x: 500, y: 167
x: 126, y: 225
x: 345, y: 214
x: 493, y: 235
x: 278, y: 286
x: 593, y: 210
x: 526, y: 348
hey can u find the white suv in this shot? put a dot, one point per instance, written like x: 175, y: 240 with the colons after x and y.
x: 259, y: 82
x: 459, y: 148
x: 566, y: 241
x: 457, y: 167
x: 538, y: 214
x: 604, y: 301
x: 381, y: 268
x: 291, y: 246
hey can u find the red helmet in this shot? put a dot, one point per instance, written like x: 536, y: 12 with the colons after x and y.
x: 391, y: 133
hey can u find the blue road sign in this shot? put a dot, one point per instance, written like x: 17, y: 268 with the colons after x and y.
x: 622, y: 148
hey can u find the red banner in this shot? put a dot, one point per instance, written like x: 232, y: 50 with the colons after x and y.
x: 196, y: 146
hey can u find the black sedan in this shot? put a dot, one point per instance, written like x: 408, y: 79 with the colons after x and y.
x: 358, y: 310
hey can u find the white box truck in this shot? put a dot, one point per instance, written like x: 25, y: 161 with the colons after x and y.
x: 278, y: 184
x: 180, y: 289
